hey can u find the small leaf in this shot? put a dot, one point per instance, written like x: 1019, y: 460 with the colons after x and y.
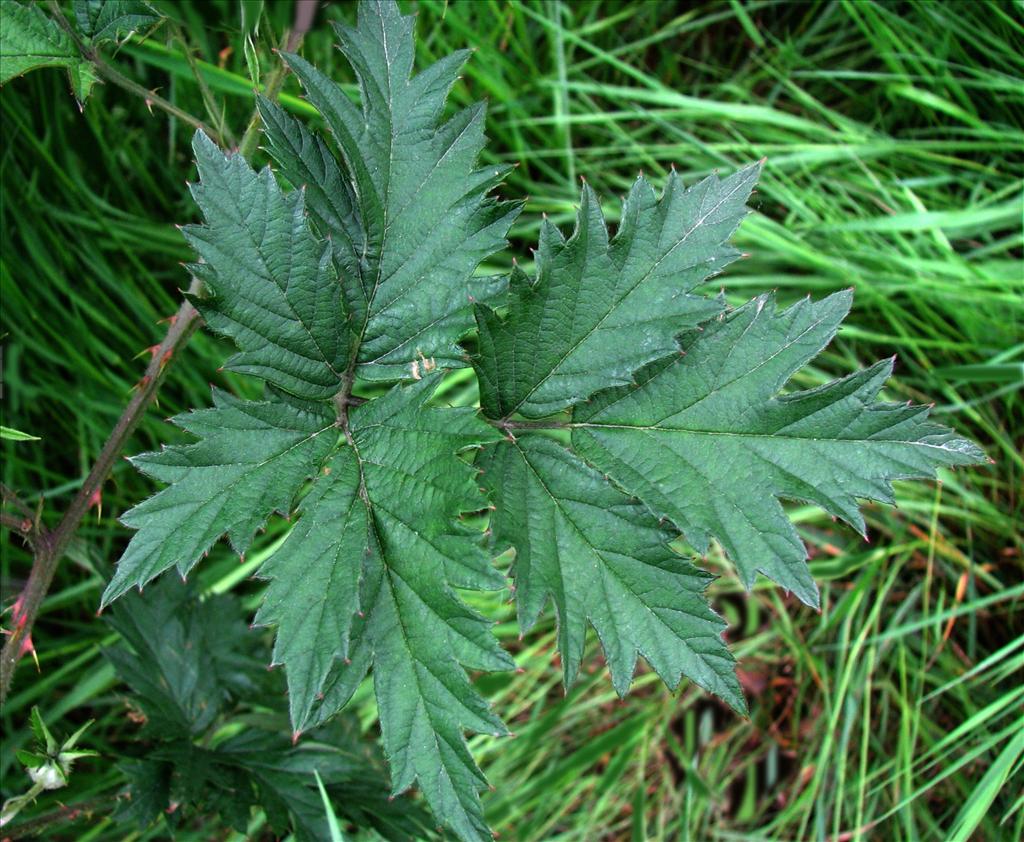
x: 31, y: 759
x: 16, y: 435
x: 111, y: 20
x: 42, y: 734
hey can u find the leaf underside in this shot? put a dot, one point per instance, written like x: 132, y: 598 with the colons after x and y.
x: 671, y: 414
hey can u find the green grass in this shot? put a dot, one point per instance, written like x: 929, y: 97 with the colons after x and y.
x: 895, y: 143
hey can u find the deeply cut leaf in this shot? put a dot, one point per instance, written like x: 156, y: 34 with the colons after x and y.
x: 602, y: 557
x: 382, y: 511
x: 705, y: 440
x: 416, y: 222
x: 598, y: 309
x: 273, y: 285
x: 189, y: 657
x: 364, y: 271
x: 251, y: 459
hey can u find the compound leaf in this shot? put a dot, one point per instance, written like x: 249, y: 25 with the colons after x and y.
x: 251, y: 460
x: 598, y: 310
x: 705, y: 440
x: 603, y: 557
x: 365, y: 270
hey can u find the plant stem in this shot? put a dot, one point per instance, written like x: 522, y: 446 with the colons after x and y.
x: 49, y: 546
x: 110, y: 74
x: 305, y: 11
x: 68, y: 813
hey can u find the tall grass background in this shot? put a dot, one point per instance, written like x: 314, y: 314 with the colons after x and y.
x: 894, y: 137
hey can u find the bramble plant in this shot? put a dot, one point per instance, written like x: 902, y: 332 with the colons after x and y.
x: 620, y: 409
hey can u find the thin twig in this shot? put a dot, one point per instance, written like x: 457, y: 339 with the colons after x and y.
x: 204, y: 89
x: 110, y: 74
x: 21, y: 525
x: 305, y: 11
x: 12, y: 499
x: 67, y: 813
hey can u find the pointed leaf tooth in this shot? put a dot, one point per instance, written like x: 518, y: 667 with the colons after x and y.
x: 602, y: 558
x: 598, y: 310
x: 706, y: 441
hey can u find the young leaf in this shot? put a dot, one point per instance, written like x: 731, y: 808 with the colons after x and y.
x: 109, y: 20
x: 602, y: 557
x: 416, y: 222
x: 705, y: 440
x: 599, y: 310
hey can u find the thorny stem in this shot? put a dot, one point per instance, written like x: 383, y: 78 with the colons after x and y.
x: 67, y: 813
x: 21, y: 525
x: 49, y: 546
x: 110, y: 74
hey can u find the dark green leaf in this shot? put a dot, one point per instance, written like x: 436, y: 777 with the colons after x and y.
x: 274, y: 288
x: 391, y: 497
x: 251, y: 459
x: 187, y: 658
x: 416, y: 221
x: 598, y: 309
x: 602, y: 557
x: 705, y: 439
